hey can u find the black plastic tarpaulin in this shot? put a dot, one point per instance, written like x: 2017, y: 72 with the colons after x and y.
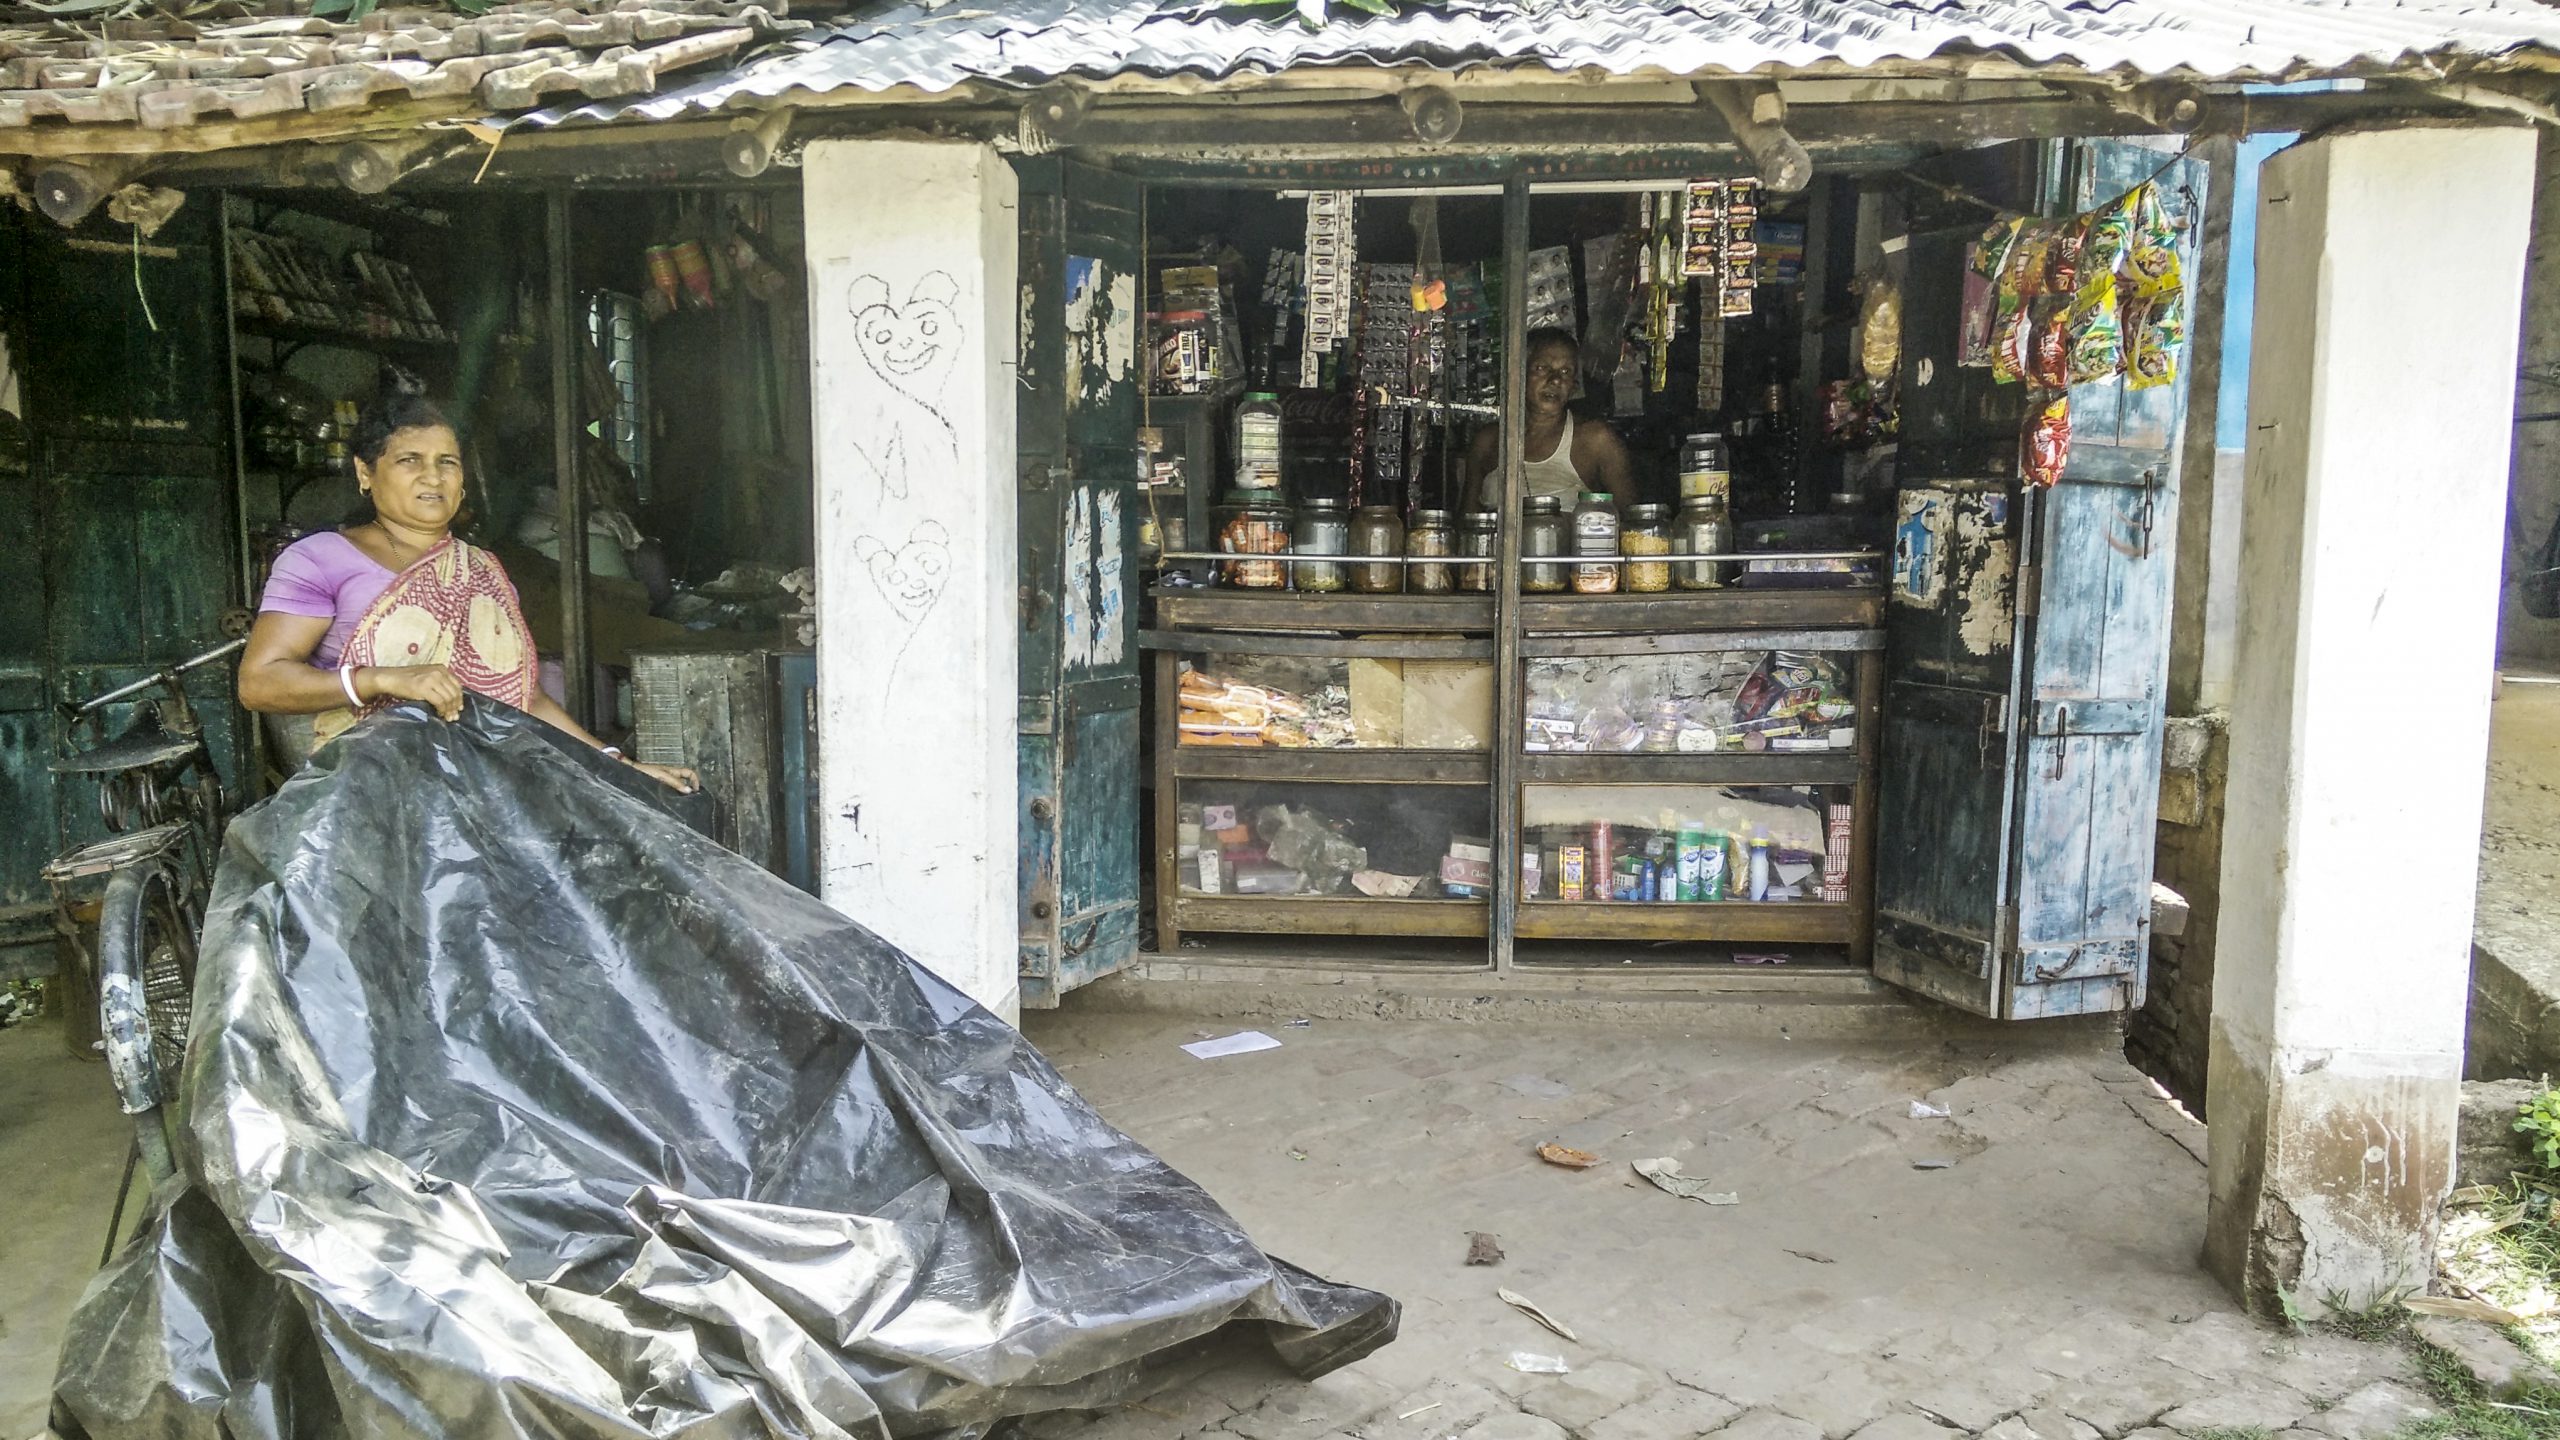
x: 516, y: 1109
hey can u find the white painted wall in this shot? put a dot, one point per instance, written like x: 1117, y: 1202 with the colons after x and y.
x: 912, y: 248
x: 2389, y: 269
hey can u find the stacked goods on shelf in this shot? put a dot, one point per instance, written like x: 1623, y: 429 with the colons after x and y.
x: 1760, y: 844
x: 1726, y: 701
x: 1226, y: 712
x: 276, y: 278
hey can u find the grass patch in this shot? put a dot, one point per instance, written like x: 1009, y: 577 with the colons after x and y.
x: 2469, y: 1414
x: 2379, y: 1322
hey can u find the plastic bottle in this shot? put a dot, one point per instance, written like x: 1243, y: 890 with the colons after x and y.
x: 1759, y: 867
x: 1595, y: 543
x: 1715, y: 877
x: 1258, y: 442
x: 1692, y: 855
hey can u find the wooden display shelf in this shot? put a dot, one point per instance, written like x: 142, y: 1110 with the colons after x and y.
x: 345, y: 337
x: 1694, y: 610
x: 1341, y: 765
x: 1329, y: 915
x: 1371, y: 647
x: 1186, y: 608
x: 1788, y: 922
x: 1818, y: 767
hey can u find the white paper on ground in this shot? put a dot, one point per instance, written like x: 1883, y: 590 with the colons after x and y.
x: 1243, y: 1042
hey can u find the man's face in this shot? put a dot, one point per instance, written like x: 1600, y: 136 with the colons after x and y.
x: 1551, y: 376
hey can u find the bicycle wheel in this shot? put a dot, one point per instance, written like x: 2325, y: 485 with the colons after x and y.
x: 146, y: 988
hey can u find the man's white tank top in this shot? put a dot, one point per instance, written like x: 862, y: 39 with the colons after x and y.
x: 1554, y: 475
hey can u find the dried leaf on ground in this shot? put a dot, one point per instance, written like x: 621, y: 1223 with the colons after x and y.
x: 2458, y: 1309
x: 1483, y: 1249
x: 1567, y: 1156
x: 1664, y: 1172
x: 1529, y: 1307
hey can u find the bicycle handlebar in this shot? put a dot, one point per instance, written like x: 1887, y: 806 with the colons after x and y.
x: 158, y: 677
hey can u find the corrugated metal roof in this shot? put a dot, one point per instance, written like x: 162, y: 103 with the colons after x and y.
x: 932, y: 50
x: 165, y: 75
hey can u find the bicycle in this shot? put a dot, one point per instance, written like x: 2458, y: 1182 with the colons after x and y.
x: 161, y: 800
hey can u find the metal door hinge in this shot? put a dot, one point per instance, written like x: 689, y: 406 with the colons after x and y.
x: 2030, y: 587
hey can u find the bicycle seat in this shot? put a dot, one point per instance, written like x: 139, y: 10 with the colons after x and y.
x: 138, y: 751
x: 116, y: 852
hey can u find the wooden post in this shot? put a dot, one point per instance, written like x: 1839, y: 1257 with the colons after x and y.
x: 2189, y: 603
x: 1510, y: 713
x: 577, y: 656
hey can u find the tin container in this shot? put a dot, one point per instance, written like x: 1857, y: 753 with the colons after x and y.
x: 1704, y: 528
x: 1480, y: 541
x: 1323, y: 528
x: 1430, y: 536
x: 1542, y: 537
x: 1572, y: 872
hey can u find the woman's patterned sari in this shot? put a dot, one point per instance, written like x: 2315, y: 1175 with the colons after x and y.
x: 454, y: 607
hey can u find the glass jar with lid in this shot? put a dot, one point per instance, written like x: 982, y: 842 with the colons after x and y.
x: 1480, y: 540
x: 1377, y: 530
x: 1705, y: 468
x: 1595, y: 543
x: 1704, y: 528
x: 1430, y: 537
x: 1324, y: 528
x: 1254, y: 523
x: 1648, y: 532
x: 1542, y: 538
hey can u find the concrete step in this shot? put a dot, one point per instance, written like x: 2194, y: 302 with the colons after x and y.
x: 1771, y: 1001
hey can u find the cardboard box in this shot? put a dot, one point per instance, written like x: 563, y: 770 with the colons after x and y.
x: 1448, y: 704
x: 1377, y: 703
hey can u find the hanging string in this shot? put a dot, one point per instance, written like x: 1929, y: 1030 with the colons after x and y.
x: 138, y: 292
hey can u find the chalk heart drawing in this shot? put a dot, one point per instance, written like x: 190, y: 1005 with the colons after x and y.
x: 910, y: 349
x: 910, y: 577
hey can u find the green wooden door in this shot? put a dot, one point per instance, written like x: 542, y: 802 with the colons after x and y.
x: 1077, y: 448
x: 130, y: 558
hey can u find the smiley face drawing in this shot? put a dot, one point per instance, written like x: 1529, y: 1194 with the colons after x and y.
x: 910, y: 577
x: 910, y: 351
x: 910, y: 345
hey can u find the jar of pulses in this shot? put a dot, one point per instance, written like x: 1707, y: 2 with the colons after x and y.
x: 1648, y: 532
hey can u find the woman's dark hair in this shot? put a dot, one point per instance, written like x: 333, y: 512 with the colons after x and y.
x: 399, y: 410
x: 1546, y: 335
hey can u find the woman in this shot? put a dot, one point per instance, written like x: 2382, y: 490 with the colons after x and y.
x: 1571, y: 457
x: 398, y: 608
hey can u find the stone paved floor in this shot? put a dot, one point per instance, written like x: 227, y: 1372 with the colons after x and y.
x: 2044, y: 1286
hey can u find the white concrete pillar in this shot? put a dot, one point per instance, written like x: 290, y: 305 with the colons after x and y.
x: 2390, y: 264
x: 912, y: 251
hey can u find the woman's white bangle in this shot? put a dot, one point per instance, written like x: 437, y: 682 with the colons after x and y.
x: 347, y: 682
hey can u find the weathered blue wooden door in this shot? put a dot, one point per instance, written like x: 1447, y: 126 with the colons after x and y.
x: 1079, y: 722
x: 2027, y: 637
x: 125, y: 556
